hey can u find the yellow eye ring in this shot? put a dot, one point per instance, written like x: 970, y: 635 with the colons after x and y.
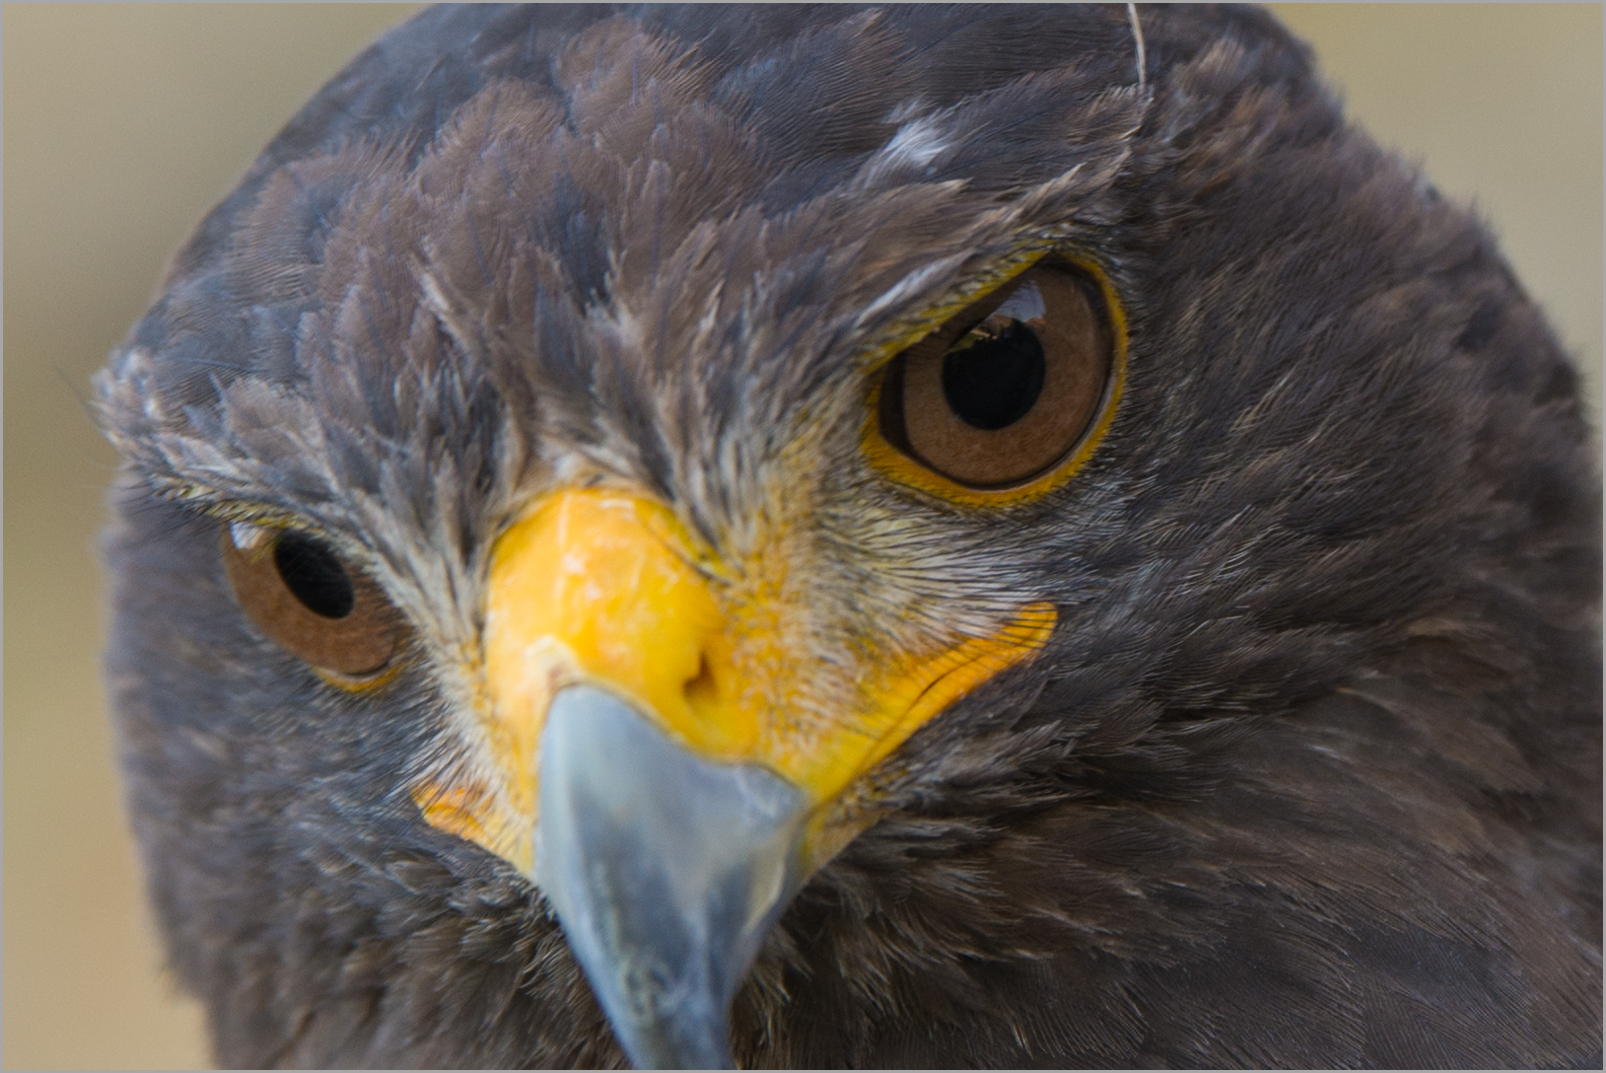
x: 899, y: 465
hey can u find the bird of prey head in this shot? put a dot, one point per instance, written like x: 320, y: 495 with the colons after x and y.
x: 834, y: 536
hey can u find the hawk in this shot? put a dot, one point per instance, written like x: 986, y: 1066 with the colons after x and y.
x: 857, y: 536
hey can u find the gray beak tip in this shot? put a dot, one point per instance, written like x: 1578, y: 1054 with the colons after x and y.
x: 665, y: 869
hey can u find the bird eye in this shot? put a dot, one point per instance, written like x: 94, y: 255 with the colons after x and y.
x: 301, y: 594
x: 1005, y: 390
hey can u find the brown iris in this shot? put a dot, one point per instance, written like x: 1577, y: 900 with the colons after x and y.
x: 1007, y: 388
x: 304, y: 596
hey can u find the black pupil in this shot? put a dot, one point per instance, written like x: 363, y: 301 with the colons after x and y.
x: 314, y: 575
x: 994, y: 382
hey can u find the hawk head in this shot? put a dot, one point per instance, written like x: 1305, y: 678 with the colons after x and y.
x: 836, y: 537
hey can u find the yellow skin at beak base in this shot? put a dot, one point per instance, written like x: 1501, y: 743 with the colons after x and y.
x: 606, y: 587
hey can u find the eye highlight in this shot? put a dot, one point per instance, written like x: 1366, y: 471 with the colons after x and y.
x: 1003, y: 393
x: 993, y: 375
x: 304, y: 596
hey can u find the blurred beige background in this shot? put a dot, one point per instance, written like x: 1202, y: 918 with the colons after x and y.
x: 124, y: 124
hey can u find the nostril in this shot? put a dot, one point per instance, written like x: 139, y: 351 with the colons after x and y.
x: 701, y: 691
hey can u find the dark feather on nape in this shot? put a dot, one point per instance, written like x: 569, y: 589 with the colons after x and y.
x: 1480, y: 327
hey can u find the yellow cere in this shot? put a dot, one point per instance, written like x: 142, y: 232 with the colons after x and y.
x: 606, y: 587
x: 893, y: 463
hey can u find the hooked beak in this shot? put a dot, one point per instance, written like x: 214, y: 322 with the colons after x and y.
x: 646, y: 760
x: 665, y: 871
